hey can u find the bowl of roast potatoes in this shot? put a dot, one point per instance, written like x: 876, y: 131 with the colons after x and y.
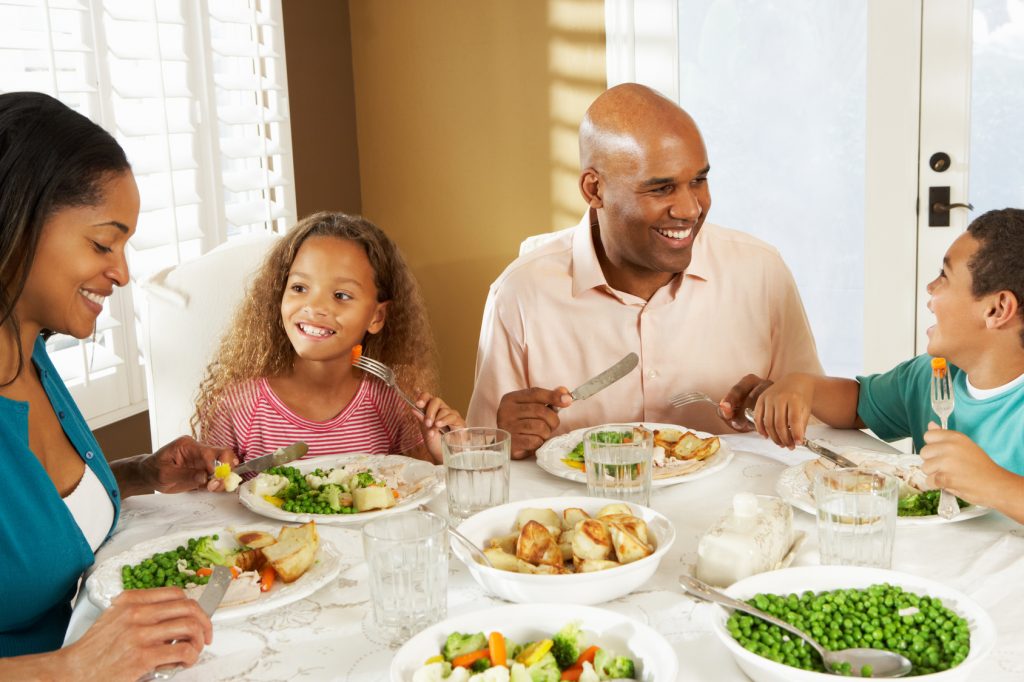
x: 578, y: 550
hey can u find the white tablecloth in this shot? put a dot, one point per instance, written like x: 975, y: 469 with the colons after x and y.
x: 325, y: 637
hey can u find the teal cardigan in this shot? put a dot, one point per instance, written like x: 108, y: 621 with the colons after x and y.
x: 42, y: 550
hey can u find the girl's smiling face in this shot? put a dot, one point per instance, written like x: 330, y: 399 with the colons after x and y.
x: 79, y: 260
x: 330, y: 299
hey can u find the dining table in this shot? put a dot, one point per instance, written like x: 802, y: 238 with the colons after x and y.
x: 329, y: 635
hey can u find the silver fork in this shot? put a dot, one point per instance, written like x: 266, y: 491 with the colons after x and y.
x: 942, y: 404
x: 387, y: 375
x: 682, y: 399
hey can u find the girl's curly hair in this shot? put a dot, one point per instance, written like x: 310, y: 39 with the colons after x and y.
x: 256, y: 344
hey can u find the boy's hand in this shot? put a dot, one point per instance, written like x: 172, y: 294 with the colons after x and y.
x: 783, y: 410
x: 955, y: 462
x: 436, y: 414
x: 744, y: 394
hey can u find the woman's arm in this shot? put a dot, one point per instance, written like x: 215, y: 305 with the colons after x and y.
x: 181, y: 465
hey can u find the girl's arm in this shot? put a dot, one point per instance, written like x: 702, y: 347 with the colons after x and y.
x: 436, y: 415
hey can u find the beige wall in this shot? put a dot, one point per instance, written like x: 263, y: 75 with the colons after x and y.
x: 467, y: 113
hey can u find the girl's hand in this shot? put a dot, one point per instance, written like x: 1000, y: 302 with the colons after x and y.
x: 132, y: 637
x: 436, y: 414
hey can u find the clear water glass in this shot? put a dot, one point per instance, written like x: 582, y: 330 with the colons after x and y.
x: 618, y: 460
x: 407, y: 555
x: 476, y: 464
x: 856, y: 517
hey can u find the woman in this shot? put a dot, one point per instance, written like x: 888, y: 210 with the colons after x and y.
x: 68, y: 204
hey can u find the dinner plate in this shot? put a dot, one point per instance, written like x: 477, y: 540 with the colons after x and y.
x: 795, y: 488
x: 550, y: 455
x: 416, y: 481
x: 105, y: 582
x: 655, y: 659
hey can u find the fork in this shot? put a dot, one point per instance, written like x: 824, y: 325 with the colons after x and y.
x: 942, y: 404
x: 387, y: 375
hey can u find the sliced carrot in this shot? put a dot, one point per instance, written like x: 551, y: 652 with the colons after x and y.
x: 587, y: 655
x: 267, y: 576
x: 203, y: 572
x: 572, y: 673
x: 497, y: 646
x: 357, y: 352
x: 466, y: 660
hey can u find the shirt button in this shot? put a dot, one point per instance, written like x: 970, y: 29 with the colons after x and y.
x: 60, y: 415
x: 653, y: 374
x: 88, y: 455
x: 113, y: 492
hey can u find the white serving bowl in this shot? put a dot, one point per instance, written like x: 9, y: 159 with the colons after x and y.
x: 823, y: 578
x: 655, y: 659
x: 576, y: 588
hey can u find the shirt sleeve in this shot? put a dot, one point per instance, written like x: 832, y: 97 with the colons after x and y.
x: 500, y: 358
x: 883, y: 403
x: 793, y: 347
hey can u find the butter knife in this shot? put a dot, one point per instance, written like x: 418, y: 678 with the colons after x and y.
x: 208, y: 601
x: 277, y: 458
x: 604, y: 379
x: 817, y: 448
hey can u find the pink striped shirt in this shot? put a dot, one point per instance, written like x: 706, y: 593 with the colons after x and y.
x: 253, y: 421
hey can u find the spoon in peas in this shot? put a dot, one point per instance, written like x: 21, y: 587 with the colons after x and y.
x: 864, y: 662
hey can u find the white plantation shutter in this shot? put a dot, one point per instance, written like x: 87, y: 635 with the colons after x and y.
x: 195, y: 92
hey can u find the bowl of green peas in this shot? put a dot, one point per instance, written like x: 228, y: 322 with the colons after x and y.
x: 943, y: 632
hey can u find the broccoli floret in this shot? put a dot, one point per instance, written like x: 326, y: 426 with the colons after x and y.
x: 567, y: 643
x: 459, y: 644
x: 610, y: 667
x: 480, y: 665
x: 364, y: 479
x: 545, y: 670
x: 332, y: 493
x: 206, y: 554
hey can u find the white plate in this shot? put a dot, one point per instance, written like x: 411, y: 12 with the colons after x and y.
x: 795, y: 488
x: 822, y: 578
x: 655, y: 659
x: 105, y: 582
x: 577, y: 588
x: 415, y: 473
x: 550, y: 455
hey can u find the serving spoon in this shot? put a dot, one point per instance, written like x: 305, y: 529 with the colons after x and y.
x: 883, y: 663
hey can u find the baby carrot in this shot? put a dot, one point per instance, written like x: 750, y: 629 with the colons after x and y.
x: 497, y: 645
x: 466, y: 660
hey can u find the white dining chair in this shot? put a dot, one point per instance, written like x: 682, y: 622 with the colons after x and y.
x: 186, y: 309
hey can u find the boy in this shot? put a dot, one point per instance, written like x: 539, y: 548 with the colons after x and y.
x: 978, y: 303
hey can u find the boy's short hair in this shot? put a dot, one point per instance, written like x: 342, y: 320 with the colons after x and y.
x: 998, y: 264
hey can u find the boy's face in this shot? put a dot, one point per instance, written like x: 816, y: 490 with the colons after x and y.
x: 959, y: 316
x: 330, y: 301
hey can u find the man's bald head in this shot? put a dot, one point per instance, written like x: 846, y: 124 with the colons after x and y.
x: 624, y: 119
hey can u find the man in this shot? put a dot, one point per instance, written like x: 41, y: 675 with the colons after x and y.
x: 642, y: 272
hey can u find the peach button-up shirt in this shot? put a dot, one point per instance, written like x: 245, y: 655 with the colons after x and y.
x: 551, y: 319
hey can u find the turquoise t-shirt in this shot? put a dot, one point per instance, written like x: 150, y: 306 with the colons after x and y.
x: 897, y: 404
x: 43, y: 550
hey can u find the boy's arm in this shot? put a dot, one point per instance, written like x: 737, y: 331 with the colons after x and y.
x: 955, y: 462
x: 783, y: 410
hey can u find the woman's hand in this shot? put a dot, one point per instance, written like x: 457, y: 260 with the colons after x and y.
x: 436, y: 414
x: 133, y: 636
x: 182, y: 465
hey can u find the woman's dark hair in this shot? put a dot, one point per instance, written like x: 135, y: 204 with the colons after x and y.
x: 998, y: 264
x: 51, y: 158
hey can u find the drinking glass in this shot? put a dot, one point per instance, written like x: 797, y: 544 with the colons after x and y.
x: 856, y: 517
x: 407, y: 554
x: 618, y: 460
x: 476, y: 462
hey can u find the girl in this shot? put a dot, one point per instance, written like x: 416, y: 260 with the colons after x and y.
x: 284, y: 368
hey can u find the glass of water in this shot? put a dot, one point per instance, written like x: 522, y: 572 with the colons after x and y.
x: 476, y: 462
x: 407, y: 555
x: 618, y: 460
x: 856, y: 517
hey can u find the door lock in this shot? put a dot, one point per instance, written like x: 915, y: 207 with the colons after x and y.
x: 939, y: 206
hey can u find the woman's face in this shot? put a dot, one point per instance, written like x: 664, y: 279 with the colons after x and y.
x: 79, y: 259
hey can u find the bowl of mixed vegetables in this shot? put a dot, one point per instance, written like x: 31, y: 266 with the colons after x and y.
x: 515, y: 644
x: 943, y: 632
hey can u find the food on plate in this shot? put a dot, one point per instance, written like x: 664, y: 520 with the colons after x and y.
x: 546, y: 542
x: 566, y: 655
x: 914, y: 497
x: 931, y: 636
x: 350, y: 489
x: 256, y: 559
x: 676, y: 452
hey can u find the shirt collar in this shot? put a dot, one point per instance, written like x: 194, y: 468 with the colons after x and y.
x: 586, y: 268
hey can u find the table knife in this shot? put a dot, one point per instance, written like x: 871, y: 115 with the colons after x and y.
x: 604, y: 379
x: 277, y: 458
x: 817, y: 448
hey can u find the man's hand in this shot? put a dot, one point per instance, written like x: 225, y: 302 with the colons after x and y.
x: 740, y: 397
x: 528, y: 416
x: 783, y: 410
x: 181, y: 465
x: 955, y: 462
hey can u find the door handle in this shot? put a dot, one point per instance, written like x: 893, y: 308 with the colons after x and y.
x: 939, y: 206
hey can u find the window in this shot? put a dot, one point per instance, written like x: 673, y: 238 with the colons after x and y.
x: 196, y: 93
